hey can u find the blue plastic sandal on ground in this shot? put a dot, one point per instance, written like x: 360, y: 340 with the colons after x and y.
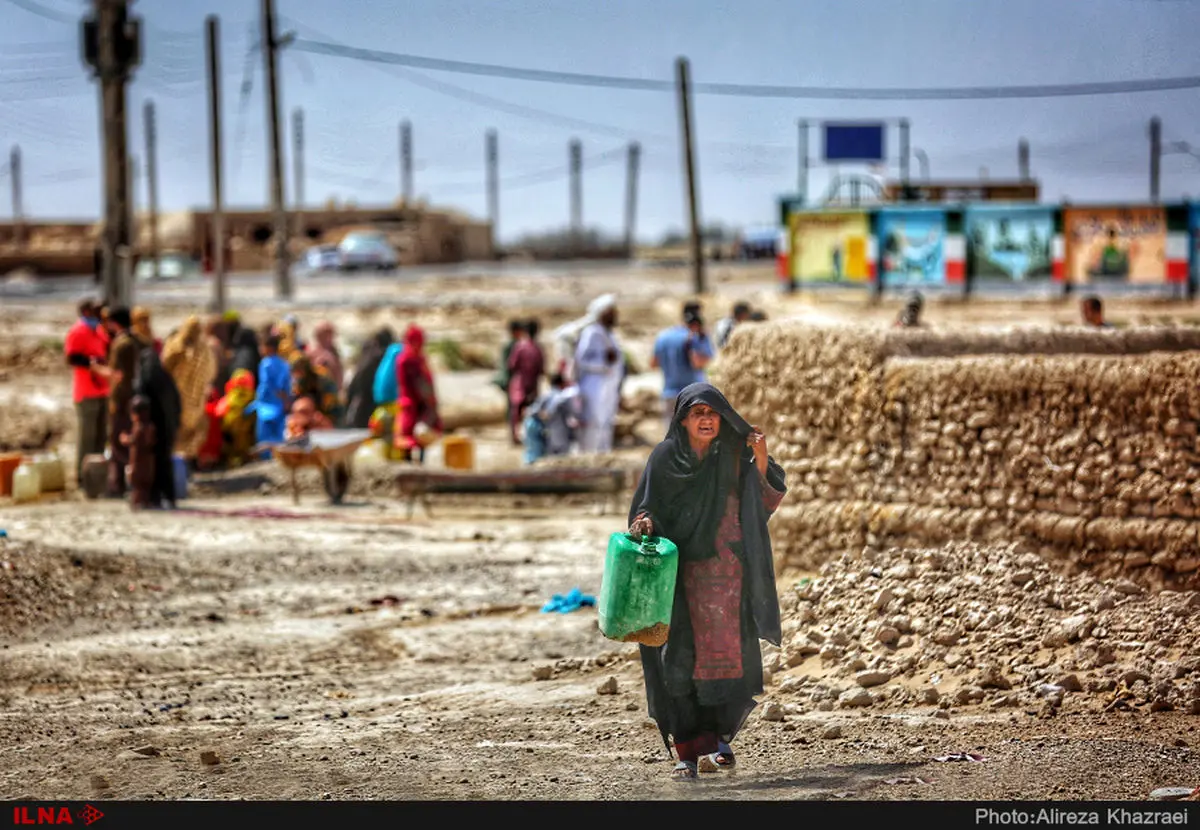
x: 572, y: 601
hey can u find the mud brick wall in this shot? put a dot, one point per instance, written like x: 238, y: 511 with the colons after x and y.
x: 1080, y: 443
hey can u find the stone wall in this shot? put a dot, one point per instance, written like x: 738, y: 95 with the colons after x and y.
x: 1080, y: 443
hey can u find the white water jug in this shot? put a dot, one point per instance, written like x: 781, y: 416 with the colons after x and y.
x: 26, y: 483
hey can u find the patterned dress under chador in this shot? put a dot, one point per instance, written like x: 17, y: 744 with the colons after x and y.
x: 713, y: 588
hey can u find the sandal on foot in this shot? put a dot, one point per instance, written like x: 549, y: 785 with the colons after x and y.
x: 724, y: 756
x: 684, y: 771
x: 708, y: 763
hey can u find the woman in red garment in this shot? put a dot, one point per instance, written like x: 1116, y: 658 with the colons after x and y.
x: 417, y: 402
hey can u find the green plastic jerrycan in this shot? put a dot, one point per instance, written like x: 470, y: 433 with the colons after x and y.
x: 638, y: 589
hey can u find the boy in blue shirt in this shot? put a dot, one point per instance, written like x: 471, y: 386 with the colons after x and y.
x: 682, y: 352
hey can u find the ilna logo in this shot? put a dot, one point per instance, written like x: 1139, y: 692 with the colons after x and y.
x: 56, y: 815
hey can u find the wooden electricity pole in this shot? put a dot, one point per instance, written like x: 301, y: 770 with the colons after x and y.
x: 298, y: 171
x: 270, y: 49
x: 14, y: 172
x: 1155, y: 157
x: 575, y: 151
x: 683, y: 84
x: 492, y: 153
x: 112, y: 47
x: 406, y: 163
x: 152, y: 183
x: 217, y: 231
x: 631, y: 177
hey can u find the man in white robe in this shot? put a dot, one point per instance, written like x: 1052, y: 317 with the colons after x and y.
x: 566, y: 336
x: 599, y: 369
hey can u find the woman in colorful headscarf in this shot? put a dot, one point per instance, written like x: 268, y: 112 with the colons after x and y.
x: 323, y: 353
x: 209, y: 456
x: 272, y: 394
x: 237, y: 422
x: 417, y: 405
x: 140, y: 320
x: 310, y: 382
x: 245, y: 354
x: 385, y: 389
x: 189, y: 360
x: 286, y: 330
x: 360, y: 392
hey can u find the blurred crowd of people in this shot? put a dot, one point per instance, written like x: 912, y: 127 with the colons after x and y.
x: 217, y: 394
x: 577, y: 410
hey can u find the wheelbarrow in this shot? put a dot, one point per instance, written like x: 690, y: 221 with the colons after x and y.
x: 330, y: 450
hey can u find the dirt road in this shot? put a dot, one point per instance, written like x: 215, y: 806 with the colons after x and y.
x: 354, y: 654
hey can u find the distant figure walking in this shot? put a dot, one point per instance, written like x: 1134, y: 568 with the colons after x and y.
x: 526, y: 365
x: 272, y: 394
x: 417, y: 405
x: 910, y: 314
x: 682, y: 352
x: 600, y: 369
x: 1092, y: 310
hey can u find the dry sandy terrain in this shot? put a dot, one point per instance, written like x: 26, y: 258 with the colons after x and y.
x: 245, y: 647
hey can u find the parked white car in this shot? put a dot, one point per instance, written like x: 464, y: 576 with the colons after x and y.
x: 368, y: 251
x: 171, y: 266
x: 323, y: 258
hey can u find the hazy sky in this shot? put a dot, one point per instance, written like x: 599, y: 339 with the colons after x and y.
x: 1083, y: 148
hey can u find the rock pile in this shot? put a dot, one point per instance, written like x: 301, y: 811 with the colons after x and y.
x: 25, y: 427
x: 968, y: 624
x: 1082, y: 443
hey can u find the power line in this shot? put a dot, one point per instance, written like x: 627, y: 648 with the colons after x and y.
x: 752, y: 90
x: 247, y: 87
x: 42, y: 11
x: 36, y: 47
x: 36, y: 8
x: 545, y: 116
x: 536, y: 177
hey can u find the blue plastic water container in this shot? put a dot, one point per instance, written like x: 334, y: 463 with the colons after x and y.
x: 181, y: 477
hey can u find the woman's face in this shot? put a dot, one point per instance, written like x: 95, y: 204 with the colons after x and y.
x: 702, y: 423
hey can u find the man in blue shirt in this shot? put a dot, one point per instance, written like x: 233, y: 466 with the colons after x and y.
x: 681, y: 352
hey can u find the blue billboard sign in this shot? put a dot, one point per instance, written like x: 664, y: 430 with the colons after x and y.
x: 854, y: 141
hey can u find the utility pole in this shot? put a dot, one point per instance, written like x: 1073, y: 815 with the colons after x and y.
x: 14, y: 172
x: 152, y: 182
x: 217, y: 230
x: 905, y: 161
x: 575, y: 151
x: 1023, y: 159
x: 1155, y: 157
x: 406, y: 163
x: 492, y: 153
x: 802, y: 185
x: 112, y: 47
x: 683, y: 85
x: 128, y: 254
x: 270, y: 47
x: 631, y: 177
x: 298, y: 170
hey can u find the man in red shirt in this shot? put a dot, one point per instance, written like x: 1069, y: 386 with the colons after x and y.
x: 526, y: 365
x: 86, y: 349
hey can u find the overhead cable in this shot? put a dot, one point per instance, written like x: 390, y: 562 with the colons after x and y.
x: 752, y: 90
